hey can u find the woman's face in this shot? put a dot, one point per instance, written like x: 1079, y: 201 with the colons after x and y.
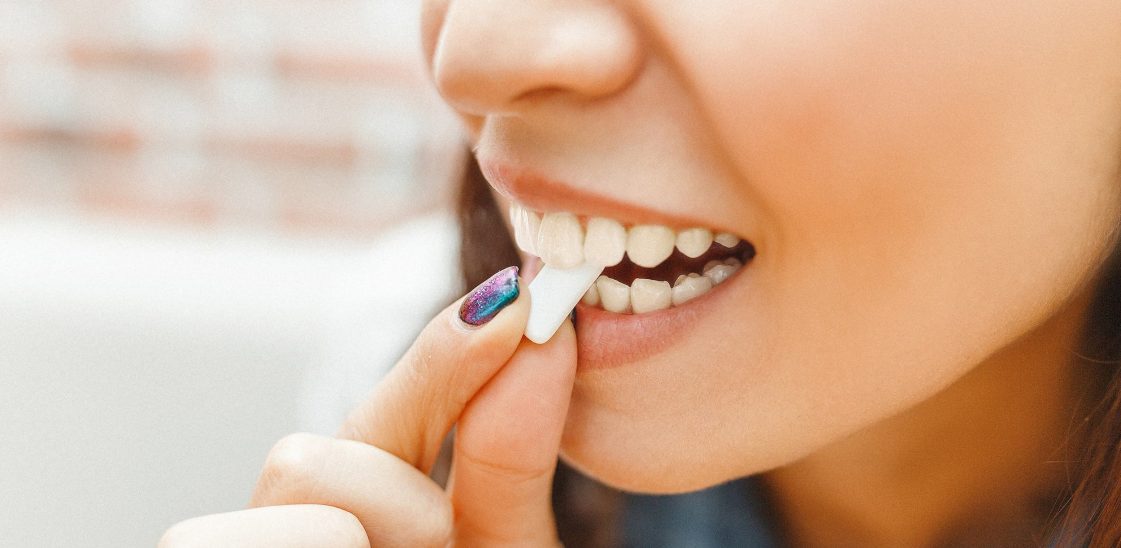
x: 923, y: 183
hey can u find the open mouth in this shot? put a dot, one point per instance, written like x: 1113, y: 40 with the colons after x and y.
x: 648, y: 267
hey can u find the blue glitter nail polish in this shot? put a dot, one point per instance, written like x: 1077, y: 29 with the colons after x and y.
x: 487, y: 300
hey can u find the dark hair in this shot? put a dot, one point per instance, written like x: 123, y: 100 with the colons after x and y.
x: 1088, y: 515
x: 1091, y: 516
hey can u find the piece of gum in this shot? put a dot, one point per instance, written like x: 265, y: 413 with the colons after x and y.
x: 553, y: 295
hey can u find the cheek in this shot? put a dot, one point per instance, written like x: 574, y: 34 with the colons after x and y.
x: 928, y: 167
x: 846, y: 112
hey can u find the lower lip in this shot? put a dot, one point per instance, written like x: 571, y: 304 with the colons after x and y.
x: 607, y: 340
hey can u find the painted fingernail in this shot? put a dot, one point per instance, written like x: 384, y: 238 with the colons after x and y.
x: 487, y: 300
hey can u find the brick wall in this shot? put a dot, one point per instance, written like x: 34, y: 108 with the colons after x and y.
x: 305, y: 115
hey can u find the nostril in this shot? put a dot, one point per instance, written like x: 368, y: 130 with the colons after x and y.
x: 539, y: 94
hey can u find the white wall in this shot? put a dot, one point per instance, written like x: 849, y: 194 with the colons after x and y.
x: 145, y: 371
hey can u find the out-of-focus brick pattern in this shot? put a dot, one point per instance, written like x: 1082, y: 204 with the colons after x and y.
x: 296, y: 115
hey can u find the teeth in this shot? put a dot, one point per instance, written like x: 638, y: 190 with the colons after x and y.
x: 688, y: 288
x: 591, y: 296
x: 526, y: 226
x: 605, y: 242
x: 614, y: 295
x: 649, y: 245
x: 560, y: 243
x: 718, y: 271
x: 727, y: 240
x: 645, y: 295
x: 694, y: 241
x: 650, y: 295
x: 682, y: 278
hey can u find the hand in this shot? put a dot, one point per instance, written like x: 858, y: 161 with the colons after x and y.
x: 369, y: 487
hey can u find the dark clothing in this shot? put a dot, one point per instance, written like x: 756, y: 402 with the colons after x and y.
x: 730, y: 515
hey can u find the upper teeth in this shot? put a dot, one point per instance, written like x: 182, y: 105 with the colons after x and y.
x: 604, y: 242
x: 526, y: 226
x: 694, y: 241
x: 562, y: 241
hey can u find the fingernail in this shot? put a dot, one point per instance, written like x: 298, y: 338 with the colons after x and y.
x: 487, y: 300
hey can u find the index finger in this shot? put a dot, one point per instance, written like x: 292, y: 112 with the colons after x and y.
x: 411, y: 410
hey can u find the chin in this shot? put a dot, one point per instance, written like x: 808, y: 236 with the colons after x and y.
x: 634, y: 460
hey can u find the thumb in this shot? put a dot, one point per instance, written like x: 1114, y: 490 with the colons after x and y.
x: 411, y: 410
x: 506, y: 447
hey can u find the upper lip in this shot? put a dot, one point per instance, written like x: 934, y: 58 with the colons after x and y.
x: 540, y: 193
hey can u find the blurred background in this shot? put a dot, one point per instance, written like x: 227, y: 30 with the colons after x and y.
x: 197, y: 203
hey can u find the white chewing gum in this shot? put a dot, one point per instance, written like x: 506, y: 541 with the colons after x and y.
x: 553, y: 295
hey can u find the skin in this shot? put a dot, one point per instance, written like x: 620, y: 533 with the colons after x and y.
x: 931, y: 187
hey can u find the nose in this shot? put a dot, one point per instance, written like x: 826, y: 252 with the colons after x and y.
x: 490, y: 55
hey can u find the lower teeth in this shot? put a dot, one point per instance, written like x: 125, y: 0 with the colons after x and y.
x: 645, y: 295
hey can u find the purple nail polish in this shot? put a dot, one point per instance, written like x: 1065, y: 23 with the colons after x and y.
x: 487, y: 300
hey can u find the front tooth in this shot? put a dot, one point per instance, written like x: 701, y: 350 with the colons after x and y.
x: 614, y: 295
x: 694, y: 241
x: 526, y: 225
x: 560, y: 243
x: 720, y: 272
x: 605, y: 242
x: 591, y: 296
x: 690, y: 288
x: 727, y: 240
x: 649, y: 245
x: 650, y: 295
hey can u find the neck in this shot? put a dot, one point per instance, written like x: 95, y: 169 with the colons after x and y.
x: 983, y: 459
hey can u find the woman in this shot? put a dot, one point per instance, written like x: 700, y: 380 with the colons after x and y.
x: 907, y: 338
